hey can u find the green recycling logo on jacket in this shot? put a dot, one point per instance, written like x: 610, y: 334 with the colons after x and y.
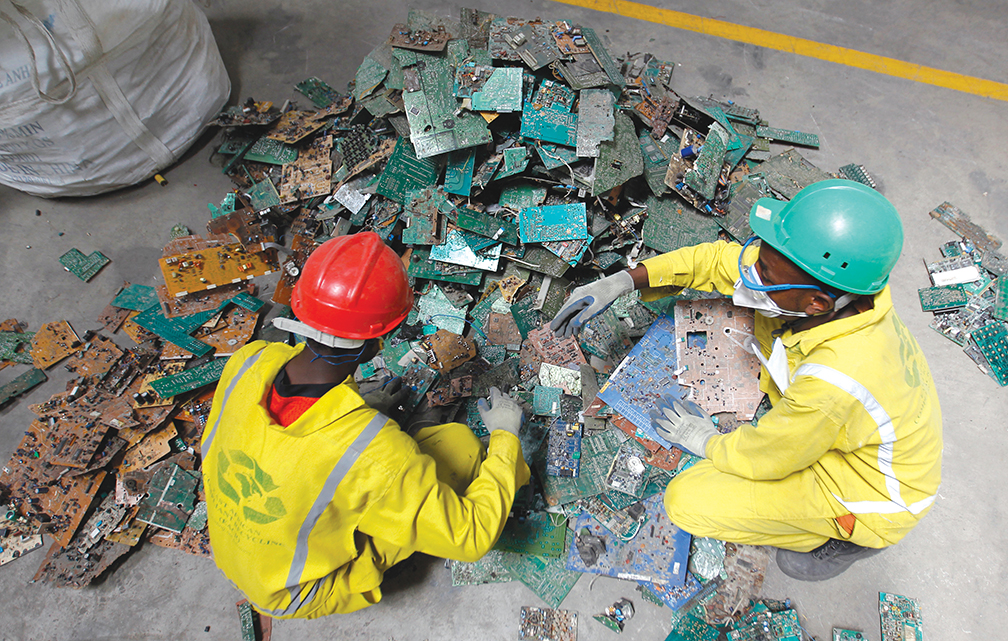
x: 242, y: 480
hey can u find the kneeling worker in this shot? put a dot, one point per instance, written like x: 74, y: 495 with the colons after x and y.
x: 312, y: 494
x: 848, y: 460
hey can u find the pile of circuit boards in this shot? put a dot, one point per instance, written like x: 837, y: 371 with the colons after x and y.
x: 507, y: 161
x: 969, y: 293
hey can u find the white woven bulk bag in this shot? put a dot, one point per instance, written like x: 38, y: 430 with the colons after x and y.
x: 101, y: 94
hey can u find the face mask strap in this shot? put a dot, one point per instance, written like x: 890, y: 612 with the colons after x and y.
x: 758, y: 286
x: 338, y: 360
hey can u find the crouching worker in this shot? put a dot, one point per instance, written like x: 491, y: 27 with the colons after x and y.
x: 848, y: 460
x: 312, y: 492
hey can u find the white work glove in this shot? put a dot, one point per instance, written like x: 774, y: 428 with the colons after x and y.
x: 388, y: 398
x: 684, y: 425
x: 589, y: 301
x: 505, y: 414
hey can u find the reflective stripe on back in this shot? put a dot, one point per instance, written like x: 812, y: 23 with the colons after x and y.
x: 224, y: 399
x: 323, y: 500
x: 885, y: 450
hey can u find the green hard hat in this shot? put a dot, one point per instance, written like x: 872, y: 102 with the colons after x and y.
x: 841, y: 232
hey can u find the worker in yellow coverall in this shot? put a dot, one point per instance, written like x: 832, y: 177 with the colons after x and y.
x: 848, y: 459
x: 312, y: 491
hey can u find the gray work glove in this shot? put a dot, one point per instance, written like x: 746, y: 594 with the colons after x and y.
x: 388, y: 398
x: 503, y: 413
x: 589, y: 301
x: 683, y: 424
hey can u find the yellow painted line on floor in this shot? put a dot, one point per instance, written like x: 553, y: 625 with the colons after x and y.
x: 799, y: 46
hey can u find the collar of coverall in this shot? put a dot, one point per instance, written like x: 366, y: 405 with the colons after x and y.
x: 812, y: 338
x: 337, y: 403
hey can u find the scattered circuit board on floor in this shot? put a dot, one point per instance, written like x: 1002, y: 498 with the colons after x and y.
x: 710, y: 337
x: 544, y: 624
x: 535, y: 533
x: 763, y: 624
x: 658, y: 553
x: 489, y: 569
x: 992, y: 341
x: 547, y: 576
x: 840, y: 634
x: 959, y: 222
x: 942, y: 298
x: 900, y: 618
x: 787, y: 135
x: 648, y: 370
x: 858, y: 173
x: 673, y: 597
x: 691, y: 628
x: 81, y: 266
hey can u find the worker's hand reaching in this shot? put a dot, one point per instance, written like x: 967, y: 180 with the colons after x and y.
x: 683, y: 424
x: 589, y: 301
x: 388, y: 398
x: 503, y: 413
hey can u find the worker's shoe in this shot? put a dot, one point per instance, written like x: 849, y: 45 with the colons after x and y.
x: 825, y: 562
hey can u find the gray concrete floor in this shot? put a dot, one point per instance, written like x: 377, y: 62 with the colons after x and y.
x: 923, y: 144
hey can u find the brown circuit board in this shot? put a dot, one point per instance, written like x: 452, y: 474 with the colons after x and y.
x: 97, y: 357
x: 188, y: 540
x: 447, y: 350
x: 244, y: 225
x: 192, y: 264
x: 295, y: 125
x: 712, y: 359
x: 40, y: 495
x: 152, y: 447
x: 501, y: 329
x: 54, y: 342
x: 554, y: 350
x: 310, y: 175
x: 67, y: 567
x: 303, y: 243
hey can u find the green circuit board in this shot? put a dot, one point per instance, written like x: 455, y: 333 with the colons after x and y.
x: 81, y: 266
x: 787, y: 135
x: 900, y: 618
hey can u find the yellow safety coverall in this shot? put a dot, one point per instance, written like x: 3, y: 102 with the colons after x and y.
x: 858, y: 430
x: 305, y: 519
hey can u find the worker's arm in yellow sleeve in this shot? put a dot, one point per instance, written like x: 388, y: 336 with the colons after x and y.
x: 790, y: 437
x: 420, y: 513
x: 705, y: 267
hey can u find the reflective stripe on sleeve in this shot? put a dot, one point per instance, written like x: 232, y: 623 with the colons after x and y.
x: 339, y: 471
x: 885, y: 450
x: 224, y: 399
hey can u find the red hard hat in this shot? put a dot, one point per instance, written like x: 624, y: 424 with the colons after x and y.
x: 353, y: 287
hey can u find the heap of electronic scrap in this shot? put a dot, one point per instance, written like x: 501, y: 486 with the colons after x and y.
x: 113, y: 461
x: 507, y: 161
x: 969, y: 293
